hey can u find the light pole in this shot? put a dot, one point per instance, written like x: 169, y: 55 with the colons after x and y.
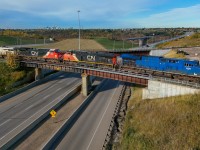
x: 79, y: 34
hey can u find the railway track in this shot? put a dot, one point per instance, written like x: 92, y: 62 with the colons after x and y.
x: 140, y: 73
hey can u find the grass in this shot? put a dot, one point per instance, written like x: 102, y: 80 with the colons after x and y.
x: 68, y: 44
x: 170, y: 123
x: 88, y: 44
x: 189, y: 41
x: 9, y: 40
x: 111, y: 44
x: 174, y: 54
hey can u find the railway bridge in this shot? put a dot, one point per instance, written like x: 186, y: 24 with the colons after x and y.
x: 140, y: 76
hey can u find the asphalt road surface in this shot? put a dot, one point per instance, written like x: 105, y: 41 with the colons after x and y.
x: 89, y: 131
x: 15, y: 111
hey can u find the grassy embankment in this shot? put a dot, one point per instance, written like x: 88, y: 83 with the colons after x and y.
x: 11, y: 40
x: 111, y: 44
x: 70, y: 44
x: 88, y: 44
x: 170, y: 123
x: 189, y: 41
x: 173, y: 54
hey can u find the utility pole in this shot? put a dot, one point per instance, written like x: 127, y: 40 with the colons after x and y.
x: 79, y: 34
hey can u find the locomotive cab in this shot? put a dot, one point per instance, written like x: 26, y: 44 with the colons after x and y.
x: 54, y: 54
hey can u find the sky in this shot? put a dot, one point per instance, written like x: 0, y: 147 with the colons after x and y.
x: 23, y: 14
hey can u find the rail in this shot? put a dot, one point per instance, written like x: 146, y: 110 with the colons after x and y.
x: 128, y: 75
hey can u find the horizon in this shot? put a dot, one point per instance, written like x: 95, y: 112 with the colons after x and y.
x: 35, y: 14
x: 69, y: 28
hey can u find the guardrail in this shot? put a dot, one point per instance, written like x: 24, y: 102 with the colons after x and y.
x: 70, y: 121
x: 117, y: 108
x: 14, y: 135
x: 29, y: 86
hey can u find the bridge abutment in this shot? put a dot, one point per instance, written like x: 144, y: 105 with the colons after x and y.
x: 157, y: 89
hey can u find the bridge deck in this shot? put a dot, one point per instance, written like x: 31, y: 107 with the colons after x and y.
x: 134, y: 75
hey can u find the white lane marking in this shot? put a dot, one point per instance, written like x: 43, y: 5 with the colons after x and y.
x: 31, y: 116
x: 35, y: 89
x: 46, y: 96
x: 5, y: 122
x: 28, y: 108
x: 37, y: 102
x: 52, y: 93
x: 102, y: 116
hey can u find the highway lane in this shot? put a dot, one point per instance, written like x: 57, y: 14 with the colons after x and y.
x: 16, y: 110
x: 90, y: 129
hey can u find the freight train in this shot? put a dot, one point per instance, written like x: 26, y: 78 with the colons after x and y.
x: 182, y: 66
x: 25, y: 51
x: 5, y: 50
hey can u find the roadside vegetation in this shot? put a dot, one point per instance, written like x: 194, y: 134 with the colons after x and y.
x: 170, y: 123
x: 189, y: 41
x: 10, y: 73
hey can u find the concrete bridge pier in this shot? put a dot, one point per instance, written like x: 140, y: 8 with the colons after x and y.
x: 38, y: 74
x: 158, y: 89
x: 142, y: 42
x: 86, y: 83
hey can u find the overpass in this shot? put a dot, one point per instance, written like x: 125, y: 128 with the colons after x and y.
x: 134, y: 75
x: 142, y: 40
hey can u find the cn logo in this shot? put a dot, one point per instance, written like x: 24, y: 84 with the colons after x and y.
x: 34, y: 53
x: 90, y: 58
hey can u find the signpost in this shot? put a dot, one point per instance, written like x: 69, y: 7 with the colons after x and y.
x: 53, y: 113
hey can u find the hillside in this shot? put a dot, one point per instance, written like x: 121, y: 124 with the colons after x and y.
x: 73, y: 44
x: 170, y: 124
x: 189, y: 41
x: 174, y: 54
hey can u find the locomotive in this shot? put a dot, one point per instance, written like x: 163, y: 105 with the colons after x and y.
x: 23, y: 51
x: 182, y: 66
x: 84, y: 57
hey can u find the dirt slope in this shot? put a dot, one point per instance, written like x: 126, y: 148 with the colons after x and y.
x: 68, y: 44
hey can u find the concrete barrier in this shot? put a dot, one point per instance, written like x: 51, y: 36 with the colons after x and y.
x: 69, y: 122
x: 14, y: 135
x: 29, y: 86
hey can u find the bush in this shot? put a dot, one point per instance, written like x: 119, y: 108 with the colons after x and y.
x: 8, y: 76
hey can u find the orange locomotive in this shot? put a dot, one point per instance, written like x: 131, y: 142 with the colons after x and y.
x: 83, y: 56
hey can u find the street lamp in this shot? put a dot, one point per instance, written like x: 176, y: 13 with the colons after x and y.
x: 79, y: 35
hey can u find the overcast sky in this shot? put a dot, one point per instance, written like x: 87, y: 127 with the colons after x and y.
x: 99, y: 13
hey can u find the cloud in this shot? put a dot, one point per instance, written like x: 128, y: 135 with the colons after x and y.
x: 66, y: 9
x: 178, y: 17
x: 104, y: 13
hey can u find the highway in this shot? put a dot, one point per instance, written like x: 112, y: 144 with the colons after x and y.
x: 90, y: 129
x: 15, y: 111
